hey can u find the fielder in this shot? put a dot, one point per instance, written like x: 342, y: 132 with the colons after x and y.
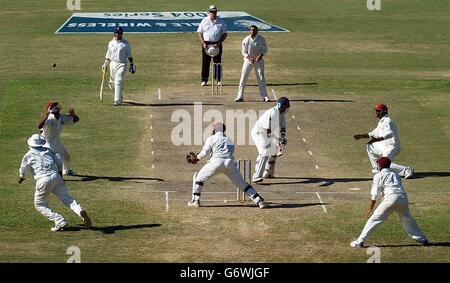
x: 119, y: 50
x: 52, y: 125
x: 44, y: 166
x: 221, y: 149
x: 389, y: 184
x: 254, y: 47
x: 384, y: 142
x: 269, y: 135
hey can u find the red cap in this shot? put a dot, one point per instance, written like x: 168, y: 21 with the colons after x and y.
x: 384, y: 162
x: 381, y: 107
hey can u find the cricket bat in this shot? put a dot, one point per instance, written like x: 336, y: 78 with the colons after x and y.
x: 101, y: 86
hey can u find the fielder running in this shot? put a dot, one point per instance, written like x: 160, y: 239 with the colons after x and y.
x: 119, y: 50
x: 52, y: 125
x: 254, y: 47
x: 269, y: 135
x: 384, y: 142
x: 45, y: 166
x: 221, y: 149
x: 389, y: 184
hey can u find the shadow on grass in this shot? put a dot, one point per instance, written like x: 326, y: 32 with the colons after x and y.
x: 272, y: 205
x: 276, y: 84
x: 88, y: 178
x: 443, y: 244
x: 420, y: 175
x: 132, y: 103
x: 111, y: 229
x: 305, y: 180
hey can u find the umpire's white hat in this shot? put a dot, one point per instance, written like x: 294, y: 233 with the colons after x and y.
x: 212, y: 8
x: 36, y: 141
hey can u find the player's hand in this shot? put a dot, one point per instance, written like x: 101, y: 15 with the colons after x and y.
x: 369, y: 213
x: 20, y: 180
x: 105, y: 66
x: 356, y: 137
x: 72, y: 111
x: 204, y: 45
x: 133, y: 68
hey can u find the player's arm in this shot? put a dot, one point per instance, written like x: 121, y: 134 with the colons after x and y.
x: 374, y: 191
x: 107, y: 59
x: 206, y: 150
x: 263, y: 50
x: 42, y: 122
x: 222, y: 38
x: 360, y: 136
x: 24, y: 168
x: 202, y: 39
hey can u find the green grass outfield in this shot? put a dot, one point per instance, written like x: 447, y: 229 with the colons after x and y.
x: 355, y: 58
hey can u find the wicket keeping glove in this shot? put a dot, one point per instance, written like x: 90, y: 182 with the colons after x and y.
x: 133, y: 68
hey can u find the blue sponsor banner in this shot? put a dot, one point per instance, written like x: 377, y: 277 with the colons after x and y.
x: 159, y: 22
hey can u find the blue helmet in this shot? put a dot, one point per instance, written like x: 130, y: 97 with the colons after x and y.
x: 283, y: 101
x: 118, y: 30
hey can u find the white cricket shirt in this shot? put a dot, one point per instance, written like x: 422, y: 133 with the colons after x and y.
x: 212, y: 31
x: 254, y: 46
x: 118, y: 51
x: 386, y: 182
x: 41, y: 162
x: 218, y: 146
x: 53, y: 127
x: 386, y: 129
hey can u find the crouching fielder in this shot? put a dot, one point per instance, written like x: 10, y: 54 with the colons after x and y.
x: 269, y: 135
x: 45, y: 166
x: 389, y: 184
x: 221, y: 150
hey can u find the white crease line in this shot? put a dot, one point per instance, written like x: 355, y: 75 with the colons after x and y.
x: 167, y: 201
x: 326, y: 193
x: 304, y: 140
x: 298, y: 128
x: 317, y: 167
x: 159, y: 93
x: 274, y: 94
x: 164, y: 191
x: 320, y: 199
x: 310, y: 153
x: 153, y: 166
x: 153, y: 153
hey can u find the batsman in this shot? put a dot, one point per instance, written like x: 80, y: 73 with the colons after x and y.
x: 269, y: 135
x: 119, y: 50
x: 221, y: 149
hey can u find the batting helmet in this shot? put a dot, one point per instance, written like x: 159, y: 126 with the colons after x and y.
x: 381, y: 107
x: 283, y: 101
x: 118, y: 30
x: 384, y: 162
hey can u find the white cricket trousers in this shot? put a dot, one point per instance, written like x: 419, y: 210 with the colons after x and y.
x: 266, y: 147
x: 117, y: 79
x: 393, y: 203
x: 259, y: 72
x: 47, y: 185
x: 58, y: 147
x: 227, y: 167
x: 377, y: 150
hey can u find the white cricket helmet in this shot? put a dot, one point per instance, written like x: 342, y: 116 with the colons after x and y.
x: 212, y: 50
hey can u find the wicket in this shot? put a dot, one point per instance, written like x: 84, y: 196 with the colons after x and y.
x: 245, y: 169
x: 216, y: 76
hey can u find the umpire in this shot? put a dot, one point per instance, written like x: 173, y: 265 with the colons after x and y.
x: 211, y: 31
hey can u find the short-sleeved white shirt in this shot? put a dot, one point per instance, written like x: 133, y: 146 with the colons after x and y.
x: 386, y: 182
x: 53, y: 127
x: 212, y: 31
x: 40, y: 162
x: 271, y: 119
x: 386, y: 129
x: 254, y: 46
x: 118, y: 51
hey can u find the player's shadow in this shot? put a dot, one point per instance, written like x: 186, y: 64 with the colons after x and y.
x: 89, y: 178
x: 133, y: 103
x: 323, y: 182
x: 111, y: 229
x: 420, y: 175
x: 443, y: 244
x: 276, y: 84
x: 271, y: 205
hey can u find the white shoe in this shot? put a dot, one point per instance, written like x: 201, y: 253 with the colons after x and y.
x: 219, y: 84
x: 195, y: 203
x: 266, y: 99
x: 257, y: 180
x: 60, y: 226
x: 86, y: 219
x: 267, y: 175
x: 263, y: 205
x: 71, y: 173
x: 409, y: 172
x: 116, y: 103
x: 238, y: 99
x: 356, y: 244
x: 204, y: 84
